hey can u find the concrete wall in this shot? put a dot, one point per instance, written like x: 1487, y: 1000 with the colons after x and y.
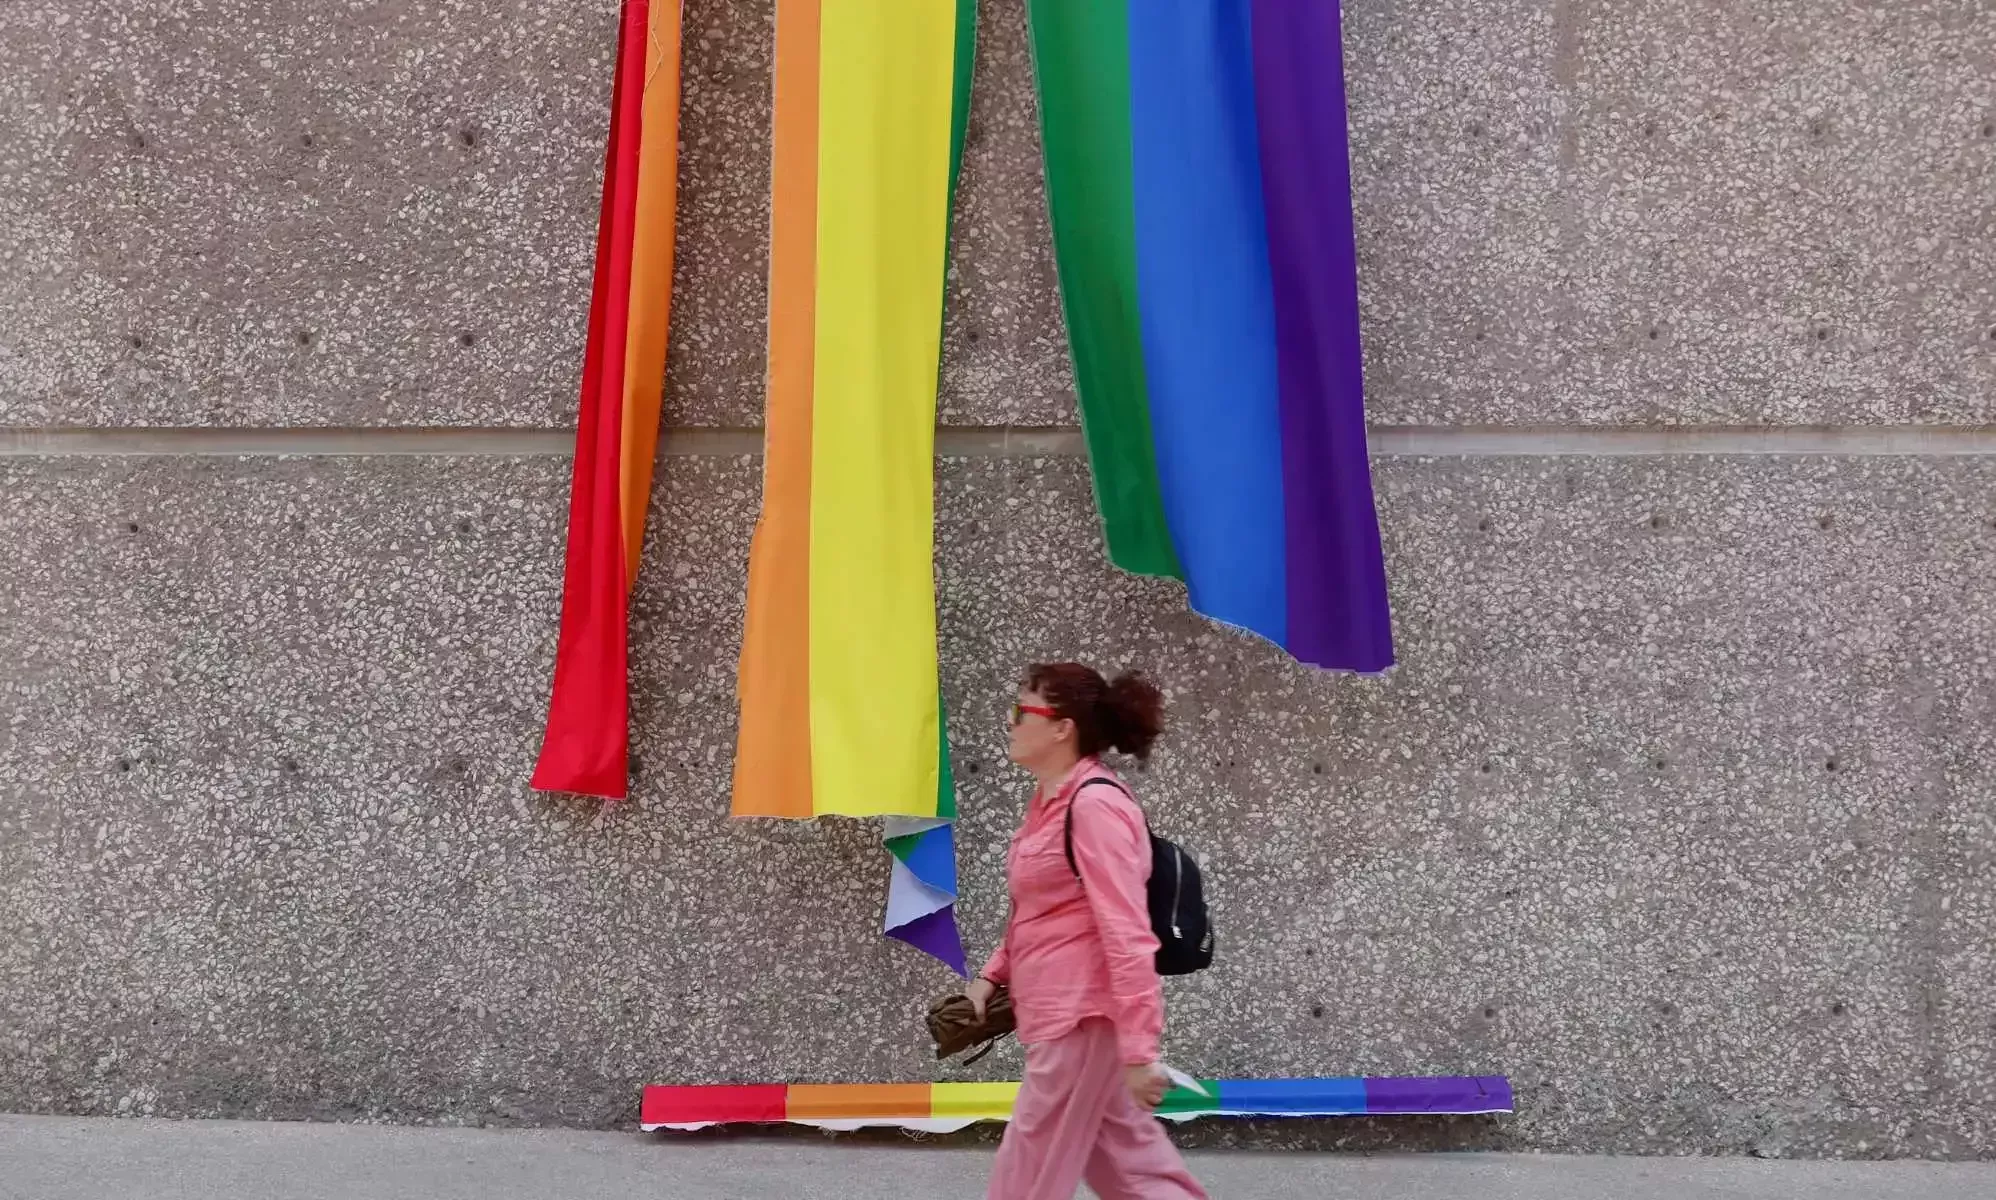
x: 1681, y: 809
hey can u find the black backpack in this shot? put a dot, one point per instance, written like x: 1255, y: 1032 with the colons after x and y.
x: 1176, y: 896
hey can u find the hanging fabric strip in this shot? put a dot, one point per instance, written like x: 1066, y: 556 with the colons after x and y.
x: 839, y: 677
x: 1198, y: 179
x: 586, y: 747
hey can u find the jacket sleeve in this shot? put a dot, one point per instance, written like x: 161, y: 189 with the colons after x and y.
x: 998, y: 968
x: 1112, y: 850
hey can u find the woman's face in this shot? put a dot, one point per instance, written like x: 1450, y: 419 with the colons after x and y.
x: 1037, y: 735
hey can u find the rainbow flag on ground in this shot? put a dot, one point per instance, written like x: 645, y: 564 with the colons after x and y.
x: 586, y: 748
x: 1199, y: 184
x: 839, y: 683
x: 944, y: 1107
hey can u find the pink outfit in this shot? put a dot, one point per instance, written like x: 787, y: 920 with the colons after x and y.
x: 1075, y: 1120
x: 1071, y: 952
x: 1080, y: 963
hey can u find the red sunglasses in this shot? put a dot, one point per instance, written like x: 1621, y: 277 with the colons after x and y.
x: 1019, y: 712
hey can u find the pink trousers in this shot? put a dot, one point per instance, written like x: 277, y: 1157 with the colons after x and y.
x: 1075, y: 1120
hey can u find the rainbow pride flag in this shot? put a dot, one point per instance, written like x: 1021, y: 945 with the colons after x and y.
x: 1199, y: 185
x: 839, y: 681
x: 586, y: 748
x: 945, y: 1107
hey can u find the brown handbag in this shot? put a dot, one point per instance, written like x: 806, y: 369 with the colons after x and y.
x: 953, y: 1023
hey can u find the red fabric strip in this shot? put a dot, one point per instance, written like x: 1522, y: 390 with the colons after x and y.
x: 586, y: 748
x: 760, y: 1102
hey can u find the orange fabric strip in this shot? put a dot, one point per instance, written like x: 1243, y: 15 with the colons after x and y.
x: 651, y: 276
x: 773, y: 751
x: 852, y: 1101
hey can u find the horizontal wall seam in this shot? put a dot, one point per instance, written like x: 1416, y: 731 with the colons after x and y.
x: 1398, y: 441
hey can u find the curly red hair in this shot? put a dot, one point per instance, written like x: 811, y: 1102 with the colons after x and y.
x: 1125, y: 713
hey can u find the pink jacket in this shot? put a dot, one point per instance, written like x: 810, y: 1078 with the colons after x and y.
x: 1072, y: 952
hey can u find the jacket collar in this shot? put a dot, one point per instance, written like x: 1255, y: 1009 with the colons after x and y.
x: 1068, y: 782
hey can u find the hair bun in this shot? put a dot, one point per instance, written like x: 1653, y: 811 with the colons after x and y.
x: 1134, y: 712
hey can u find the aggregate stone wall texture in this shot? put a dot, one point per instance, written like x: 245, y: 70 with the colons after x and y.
x: 1677, y: 810
x: 1681, y: 808
x: 367, y: 213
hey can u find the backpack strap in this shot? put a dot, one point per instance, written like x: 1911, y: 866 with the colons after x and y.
x: 1069, y: 834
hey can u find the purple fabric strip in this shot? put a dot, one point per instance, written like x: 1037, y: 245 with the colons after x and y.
x: 936, y: 935
x: 1443, y: 1094
x: 1338, y: 613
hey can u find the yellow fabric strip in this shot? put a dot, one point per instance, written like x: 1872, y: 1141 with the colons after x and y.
x: 651, y: 277
x: 887, y: 74
x: 973, y: 1101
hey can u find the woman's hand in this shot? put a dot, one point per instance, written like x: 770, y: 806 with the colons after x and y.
x: 1147, y: 1084
x: 979, y: 994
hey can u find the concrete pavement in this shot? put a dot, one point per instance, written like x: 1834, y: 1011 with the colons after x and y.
x: 45, y: 1158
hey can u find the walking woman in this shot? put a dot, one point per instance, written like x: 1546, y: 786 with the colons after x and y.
x: 1078, y: 953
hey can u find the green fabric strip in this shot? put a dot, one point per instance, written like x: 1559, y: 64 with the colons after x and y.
x: 945, y: 777
x: 966, y: 63
x: 1081, y: 60
x: 1185, y: 1100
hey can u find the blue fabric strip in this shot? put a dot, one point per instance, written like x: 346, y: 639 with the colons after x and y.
x: 1207, y: 306
x: 933, y: 860
x: 1291, y: 1097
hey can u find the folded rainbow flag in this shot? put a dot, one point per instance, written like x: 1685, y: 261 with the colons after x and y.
x: 586, y: 748
x: 945, y: 1107
x: 1200, y: 190
x: 840, y: 709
